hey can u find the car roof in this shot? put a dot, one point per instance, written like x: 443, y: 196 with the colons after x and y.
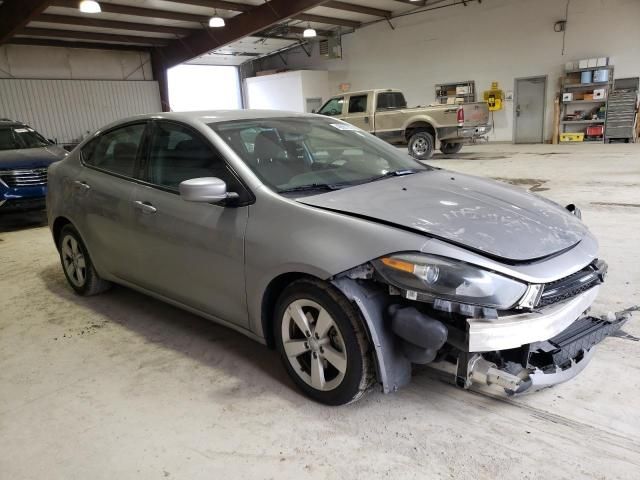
x: 7, y: 122
x: 372, y: 90
x: 207, y: 117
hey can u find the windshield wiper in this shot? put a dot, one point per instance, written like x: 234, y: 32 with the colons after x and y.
x: 312, y: 186
x: 395, y: 173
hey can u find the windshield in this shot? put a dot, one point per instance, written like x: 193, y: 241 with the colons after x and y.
x: 18, y: 137
x: 294, y: 154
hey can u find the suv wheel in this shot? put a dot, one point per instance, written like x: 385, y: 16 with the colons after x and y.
x: 77, y: 265
x: 322, y: 342
x: 421, y: 145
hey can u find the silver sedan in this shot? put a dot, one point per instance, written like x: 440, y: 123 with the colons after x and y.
x: 352, y: 259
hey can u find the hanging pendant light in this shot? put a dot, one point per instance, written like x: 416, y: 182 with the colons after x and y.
x: 90, y: 6
x: 309, y: 32
x: 216, y: 21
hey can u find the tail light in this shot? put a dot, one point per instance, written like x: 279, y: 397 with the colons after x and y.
x: 460, y: 117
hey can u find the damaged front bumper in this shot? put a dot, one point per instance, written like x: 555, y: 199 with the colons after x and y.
x: 537, y: 365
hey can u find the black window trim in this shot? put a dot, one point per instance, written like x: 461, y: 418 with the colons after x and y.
x: 365, y: 95
x: 141, y: 147
x: 144, y: 164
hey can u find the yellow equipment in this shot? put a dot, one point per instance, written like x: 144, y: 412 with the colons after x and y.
x: 494, y: 97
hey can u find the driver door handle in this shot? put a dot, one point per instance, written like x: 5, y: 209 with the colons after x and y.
x: 82, y: 184
x: 145, y: 207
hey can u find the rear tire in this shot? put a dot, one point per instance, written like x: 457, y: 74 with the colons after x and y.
x: 77, y: 265
x: 421, y: 145
x: 322, y: 343
x: 450, y: 148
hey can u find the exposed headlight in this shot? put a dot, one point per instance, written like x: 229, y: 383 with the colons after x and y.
x: 444, y: 278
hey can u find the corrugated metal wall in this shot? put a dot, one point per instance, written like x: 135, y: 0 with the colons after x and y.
x: 66, y: 110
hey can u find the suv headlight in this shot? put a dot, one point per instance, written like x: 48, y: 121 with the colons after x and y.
x: 444, y: 278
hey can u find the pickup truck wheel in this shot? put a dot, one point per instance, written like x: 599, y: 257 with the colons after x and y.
x: 77, y: 265
x: 322, y: 343
x: 421, y: 145
x: 450, y: 148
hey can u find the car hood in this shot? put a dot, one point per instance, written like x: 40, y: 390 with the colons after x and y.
x: 479, y: 214
x: 31, y: 157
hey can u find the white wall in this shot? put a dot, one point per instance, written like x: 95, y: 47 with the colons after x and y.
x: 287, y: 90
x: 26, y: 61
x: 203, y: 87
x: 498, y: 40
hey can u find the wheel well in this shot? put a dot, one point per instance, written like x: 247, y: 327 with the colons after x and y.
x: 270, y: 298
x: 58, y: 225
x: 418, y: 127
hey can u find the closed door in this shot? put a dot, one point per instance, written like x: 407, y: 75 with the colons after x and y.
x: 190, y: 252
x: 358, y: 112
x: 102, y: 194
x: 529, y: 109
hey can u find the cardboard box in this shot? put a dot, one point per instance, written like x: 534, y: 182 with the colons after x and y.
x: 602, y: 62
x: 592, y: 62
x: 584, y: 63
x: 599, y: 93
x: 588, y: 96
x: 567, y: 97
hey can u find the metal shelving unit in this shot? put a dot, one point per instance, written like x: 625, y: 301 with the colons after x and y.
x: 446, y: 91
x: 571, y: 84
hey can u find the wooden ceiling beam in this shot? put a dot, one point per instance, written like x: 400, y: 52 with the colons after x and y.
x: 258, y: 19
x: 350, y: 7
x: 45, y: 42
x: 100, y: 37
x: 308, y: 17
x: 138, y: 11
x: 15, y: 14
x: 114, y: 24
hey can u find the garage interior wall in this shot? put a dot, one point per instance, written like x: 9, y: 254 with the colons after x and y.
x: 65, y: 93
x: 287, y: 90
x: 497, y: 40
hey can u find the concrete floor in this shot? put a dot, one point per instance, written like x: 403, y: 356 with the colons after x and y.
x: 123, y: 386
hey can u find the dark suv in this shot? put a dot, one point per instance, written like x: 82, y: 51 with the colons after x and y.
x: 25, y: 156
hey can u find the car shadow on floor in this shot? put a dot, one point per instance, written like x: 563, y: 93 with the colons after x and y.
x: 14, y: 221
x: 169, y: 327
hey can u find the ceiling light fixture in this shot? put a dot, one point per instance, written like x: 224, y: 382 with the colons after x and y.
x: 90, y: 6
x: 216, y: 21
x: 309, y: 32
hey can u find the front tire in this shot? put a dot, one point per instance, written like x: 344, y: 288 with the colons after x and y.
x: 450, y: 148
x: 322, y: 343
x: 421, y: 145
x: 77, y: 265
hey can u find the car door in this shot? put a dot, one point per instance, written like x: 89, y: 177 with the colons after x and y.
x: 358, y: 108
x: 192, y: 253
x: 102, y: 194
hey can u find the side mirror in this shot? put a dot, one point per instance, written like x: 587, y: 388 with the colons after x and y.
x: 204, y: 190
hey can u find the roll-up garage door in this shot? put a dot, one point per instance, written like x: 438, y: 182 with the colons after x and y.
x: 67, y: 110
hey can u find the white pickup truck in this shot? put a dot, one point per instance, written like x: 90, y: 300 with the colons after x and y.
x: 384, y: 113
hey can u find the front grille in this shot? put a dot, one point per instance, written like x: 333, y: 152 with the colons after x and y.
x: 33, y: 177
x: 572, y: 285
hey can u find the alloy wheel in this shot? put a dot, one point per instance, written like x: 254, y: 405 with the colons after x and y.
x: 73, y: 261
x: 314, y: 345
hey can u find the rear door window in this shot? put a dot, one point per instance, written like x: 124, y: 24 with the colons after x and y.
x: 333, y: 107
x: 358, y: 104
x: 116, y: 151
x: 391, y: 101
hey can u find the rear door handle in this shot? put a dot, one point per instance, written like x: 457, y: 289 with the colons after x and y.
x: 82, y: 184
x: 145, y: 207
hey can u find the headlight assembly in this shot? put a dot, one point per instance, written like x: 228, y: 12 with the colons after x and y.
x: 447, y: 279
